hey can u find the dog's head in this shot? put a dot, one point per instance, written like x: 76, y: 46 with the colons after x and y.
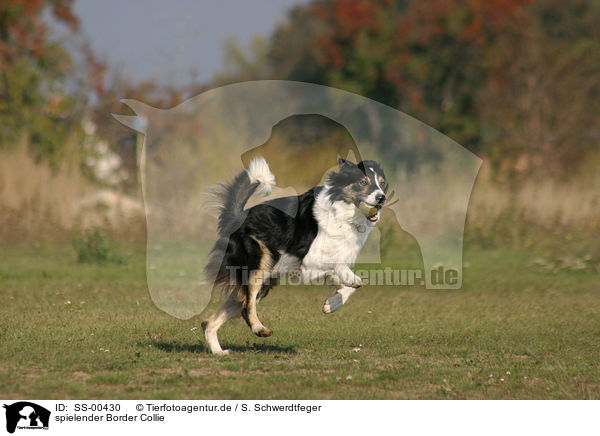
x: 363, y: 185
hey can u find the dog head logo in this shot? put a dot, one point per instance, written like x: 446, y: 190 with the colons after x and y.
x: 301, y: 130
x: 26, y: 415
x: 302, y: 148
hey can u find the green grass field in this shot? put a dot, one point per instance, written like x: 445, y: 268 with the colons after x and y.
x: 516, y: 330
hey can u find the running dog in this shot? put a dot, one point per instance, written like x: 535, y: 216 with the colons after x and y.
x: 318, y: 234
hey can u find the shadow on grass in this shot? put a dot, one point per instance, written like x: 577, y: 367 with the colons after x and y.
x: 199, y: 348
x: 262, y: 348
x: 171, y: 347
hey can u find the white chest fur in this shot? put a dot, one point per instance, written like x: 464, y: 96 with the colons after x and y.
x: 343, y: 230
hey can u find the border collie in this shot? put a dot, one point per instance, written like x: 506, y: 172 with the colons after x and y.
x: 318, y: 235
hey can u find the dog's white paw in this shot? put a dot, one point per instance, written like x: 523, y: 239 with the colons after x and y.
x: 352, y: 280
x: 333, y: 303
x: 223, y: 353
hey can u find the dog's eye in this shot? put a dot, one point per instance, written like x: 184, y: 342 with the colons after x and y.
x: 364, y: 182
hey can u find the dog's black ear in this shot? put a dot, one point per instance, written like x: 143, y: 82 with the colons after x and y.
x: 343, y: 162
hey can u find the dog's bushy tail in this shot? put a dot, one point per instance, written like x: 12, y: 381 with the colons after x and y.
x: 257, y: 178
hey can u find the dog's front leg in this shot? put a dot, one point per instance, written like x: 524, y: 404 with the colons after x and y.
x: 347, y: 277
x: 338, y: 276
x: 319, y: 276
x: 337, y: 300
x: 346, y: 285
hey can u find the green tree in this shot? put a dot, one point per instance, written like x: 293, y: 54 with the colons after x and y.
x: 34, y: 100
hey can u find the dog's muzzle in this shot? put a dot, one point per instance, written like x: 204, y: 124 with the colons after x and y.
x: 371, y: 211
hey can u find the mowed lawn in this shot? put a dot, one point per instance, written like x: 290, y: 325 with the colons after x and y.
x: 515, y: 330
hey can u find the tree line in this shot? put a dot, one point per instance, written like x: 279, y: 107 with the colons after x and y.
x: 515, y: 81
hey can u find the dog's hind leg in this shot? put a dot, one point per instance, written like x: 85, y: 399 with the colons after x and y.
x: 255, y: 285
x: 263, y: 293
x: 232, y: 308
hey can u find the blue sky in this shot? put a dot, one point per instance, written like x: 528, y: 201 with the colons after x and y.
x: 166, y: 40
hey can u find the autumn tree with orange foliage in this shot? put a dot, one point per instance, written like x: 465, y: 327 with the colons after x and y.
x: 516, y: 81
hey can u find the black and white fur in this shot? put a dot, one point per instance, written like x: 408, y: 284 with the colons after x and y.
x: 319, y: 233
